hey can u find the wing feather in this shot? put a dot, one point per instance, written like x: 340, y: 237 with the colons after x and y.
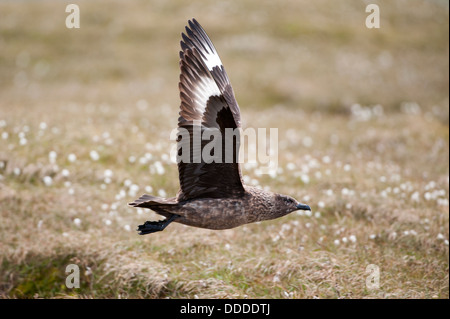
x: 207, y: 105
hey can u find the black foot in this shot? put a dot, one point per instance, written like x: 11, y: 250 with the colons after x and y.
x: 153, y: 227
x: 150, y: 227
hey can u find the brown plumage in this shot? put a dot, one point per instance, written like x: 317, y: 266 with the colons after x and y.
x: 212, y: 194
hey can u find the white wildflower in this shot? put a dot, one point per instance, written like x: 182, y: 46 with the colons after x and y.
x: 108, y: 173
x: 415, y: 197
x: 52, y: 156
x: 159, y: 168
x: 305, y: 178
x: 276, y: 278
x: 162, y: 193
x: 127, y: 183
x: 94, y: 155
x: 47, y: 180
x: 72, y: 157
x: 133, y: 190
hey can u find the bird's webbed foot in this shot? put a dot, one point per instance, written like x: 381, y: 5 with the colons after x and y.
x: 154, y: 226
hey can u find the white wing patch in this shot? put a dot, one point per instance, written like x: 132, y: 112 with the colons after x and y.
x: 203, y: 90
x: 211, y: 59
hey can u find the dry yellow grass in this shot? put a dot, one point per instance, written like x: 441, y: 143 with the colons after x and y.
x: 376, y: 175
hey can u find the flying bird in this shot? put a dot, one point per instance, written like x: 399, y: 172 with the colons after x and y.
x: 212, y: 194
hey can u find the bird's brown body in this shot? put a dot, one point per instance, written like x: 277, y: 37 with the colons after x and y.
x: 222, y: 213
x: 212, y: 194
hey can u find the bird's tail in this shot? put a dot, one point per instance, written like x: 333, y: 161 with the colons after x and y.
x: 150, y: 201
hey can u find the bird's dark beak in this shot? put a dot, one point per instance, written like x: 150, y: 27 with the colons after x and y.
x: 303, y: 207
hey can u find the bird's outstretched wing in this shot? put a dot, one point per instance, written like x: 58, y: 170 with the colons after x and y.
x: 208, y: 108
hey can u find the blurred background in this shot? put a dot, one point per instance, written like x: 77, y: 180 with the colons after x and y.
x: 363, y: 114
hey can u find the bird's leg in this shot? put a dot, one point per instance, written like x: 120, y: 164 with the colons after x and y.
x: 152, y: 227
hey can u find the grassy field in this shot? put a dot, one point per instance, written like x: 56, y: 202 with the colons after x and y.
x: 363, y: 119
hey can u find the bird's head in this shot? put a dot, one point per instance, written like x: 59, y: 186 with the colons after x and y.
x: 286, y: 204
